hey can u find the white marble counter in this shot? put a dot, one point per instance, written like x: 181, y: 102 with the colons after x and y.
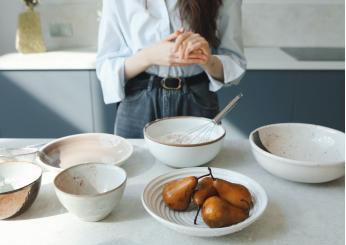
x: 74, y: 59
x: 276, y: 59
x: 296, y: 213
x: 84, y: 59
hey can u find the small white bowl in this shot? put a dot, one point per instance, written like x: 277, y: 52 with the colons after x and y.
x: 90, y: 191
x: 72, y: 150
x: 181, y: 155
x: 19, y: 185
x: 301, y: 152
x: 183, y: 221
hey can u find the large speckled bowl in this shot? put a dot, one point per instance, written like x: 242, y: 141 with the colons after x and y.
x: 300, y: 152
x: 19, y: 186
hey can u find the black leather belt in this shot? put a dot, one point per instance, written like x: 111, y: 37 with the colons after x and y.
x: 141, y: 82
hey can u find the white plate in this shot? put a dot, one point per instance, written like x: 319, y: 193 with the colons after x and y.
x: 76, y: 149
x: 183, y: 221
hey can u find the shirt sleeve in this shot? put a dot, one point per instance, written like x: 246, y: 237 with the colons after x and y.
x: 230, y: 51
x: 111, y: 54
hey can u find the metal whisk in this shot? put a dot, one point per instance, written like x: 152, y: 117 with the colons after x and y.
x: 202, y: 133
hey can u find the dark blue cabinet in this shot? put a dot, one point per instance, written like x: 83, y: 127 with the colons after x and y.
x: 316, y: 97
x: 57, y: 103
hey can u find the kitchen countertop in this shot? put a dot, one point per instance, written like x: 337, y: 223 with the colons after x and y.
x: 84, y: 59
x: 296, y: 213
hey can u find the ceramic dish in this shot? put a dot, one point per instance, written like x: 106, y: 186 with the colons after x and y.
x: 300, y: 152
x: 157, y: 133
x: 84, y: 148
x: 183, y: 221
x: 90, y: 191
x: 19, y: 185
x: 25, y: 154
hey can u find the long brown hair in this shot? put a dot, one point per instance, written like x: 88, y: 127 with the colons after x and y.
x: 201, y: 17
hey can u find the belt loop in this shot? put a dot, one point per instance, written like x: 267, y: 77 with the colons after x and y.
x: 185, y: 88
x: 150, y: 83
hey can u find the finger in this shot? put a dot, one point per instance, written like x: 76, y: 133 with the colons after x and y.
x: 192, y: 39
x: 198, y: 56
x: 198, y: 44
x: 200, y: 49
x: 182, y: 50
x: 172, y: 36
x: 197, y: 51
x: 180, y: 39
x: 188, y: 61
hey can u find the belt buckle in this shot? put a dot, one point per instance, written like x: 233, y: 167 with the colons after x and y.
x: 164, y: 85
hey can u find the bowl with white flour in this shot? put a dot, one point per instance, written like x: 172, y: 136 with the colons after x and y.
x: 184, y: 141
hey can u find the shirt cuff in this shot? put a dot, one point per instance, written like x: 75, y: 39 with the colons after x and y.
x: 233, y: 71
x: 112, y: 76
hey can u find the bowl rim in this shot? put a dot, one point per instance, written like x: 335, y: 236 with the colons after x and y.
x: 96, y: 194
x: 32, y: 182
x: 181, y: 145
x: 126, y: 157
x: 292, y: 161
x: 223, y: 230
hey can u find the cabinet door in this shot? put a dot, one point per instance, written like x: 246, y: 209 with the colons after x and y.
x: 315, y: 97
x: 319, y: 98
x: 268, y: 98
x: 45, y: 103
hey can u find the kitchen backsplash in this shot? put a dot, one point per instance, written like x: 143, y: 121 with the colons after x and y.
x: 69, y: 24
x: 73, y: 23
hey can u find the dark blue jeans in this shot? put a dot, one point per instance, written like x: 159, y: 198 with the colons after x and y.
x: 145, y: 105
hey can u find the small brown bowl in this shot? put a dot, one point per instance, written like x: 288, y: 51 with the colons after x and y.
x: 19, y: 185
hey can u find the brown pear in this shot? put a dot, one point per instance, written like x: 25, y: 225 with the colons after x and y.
x: 236, y: 194
x: 177, y: 193
x: 205, y: 190
x: 217, y: 213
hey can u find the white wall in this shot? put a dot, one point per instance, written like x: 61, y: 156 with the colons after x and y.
x: 294, y: 23
x: 8, y: 22
x: 81, y: 14
x: 265, y: 22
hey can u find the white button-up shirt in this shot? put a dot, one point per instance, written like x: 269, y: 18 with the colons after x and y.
x: 127, y: 26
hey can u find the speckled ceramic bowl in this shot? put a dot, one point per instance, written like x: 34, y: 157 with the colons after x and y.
x: 19, y: 185
x: 90, y: 191
x: 300, y: 152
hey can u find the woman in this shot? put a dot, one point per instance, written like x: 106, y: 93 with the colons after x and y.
x: 162, y: 58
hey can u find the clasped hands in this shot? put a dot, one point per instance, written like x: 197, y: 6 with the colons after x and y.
x: 181, y: 49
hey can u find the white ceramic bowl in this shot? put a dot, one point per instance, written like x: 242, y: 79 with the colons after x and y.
x: 301, y: 152
x: 19, y: 185
x: 90, y: 191
x: 183, y: 221
x: 186, y: 154
x: 84, y: 148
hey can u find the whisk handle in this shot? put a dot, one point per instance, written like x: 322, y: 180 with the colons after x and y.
x: 228, y: 108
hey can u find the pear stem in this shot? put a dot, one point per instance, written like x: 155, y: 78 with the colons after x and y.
x: 205, y: 175
x: 211, y: 174
x: 195, y: 220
